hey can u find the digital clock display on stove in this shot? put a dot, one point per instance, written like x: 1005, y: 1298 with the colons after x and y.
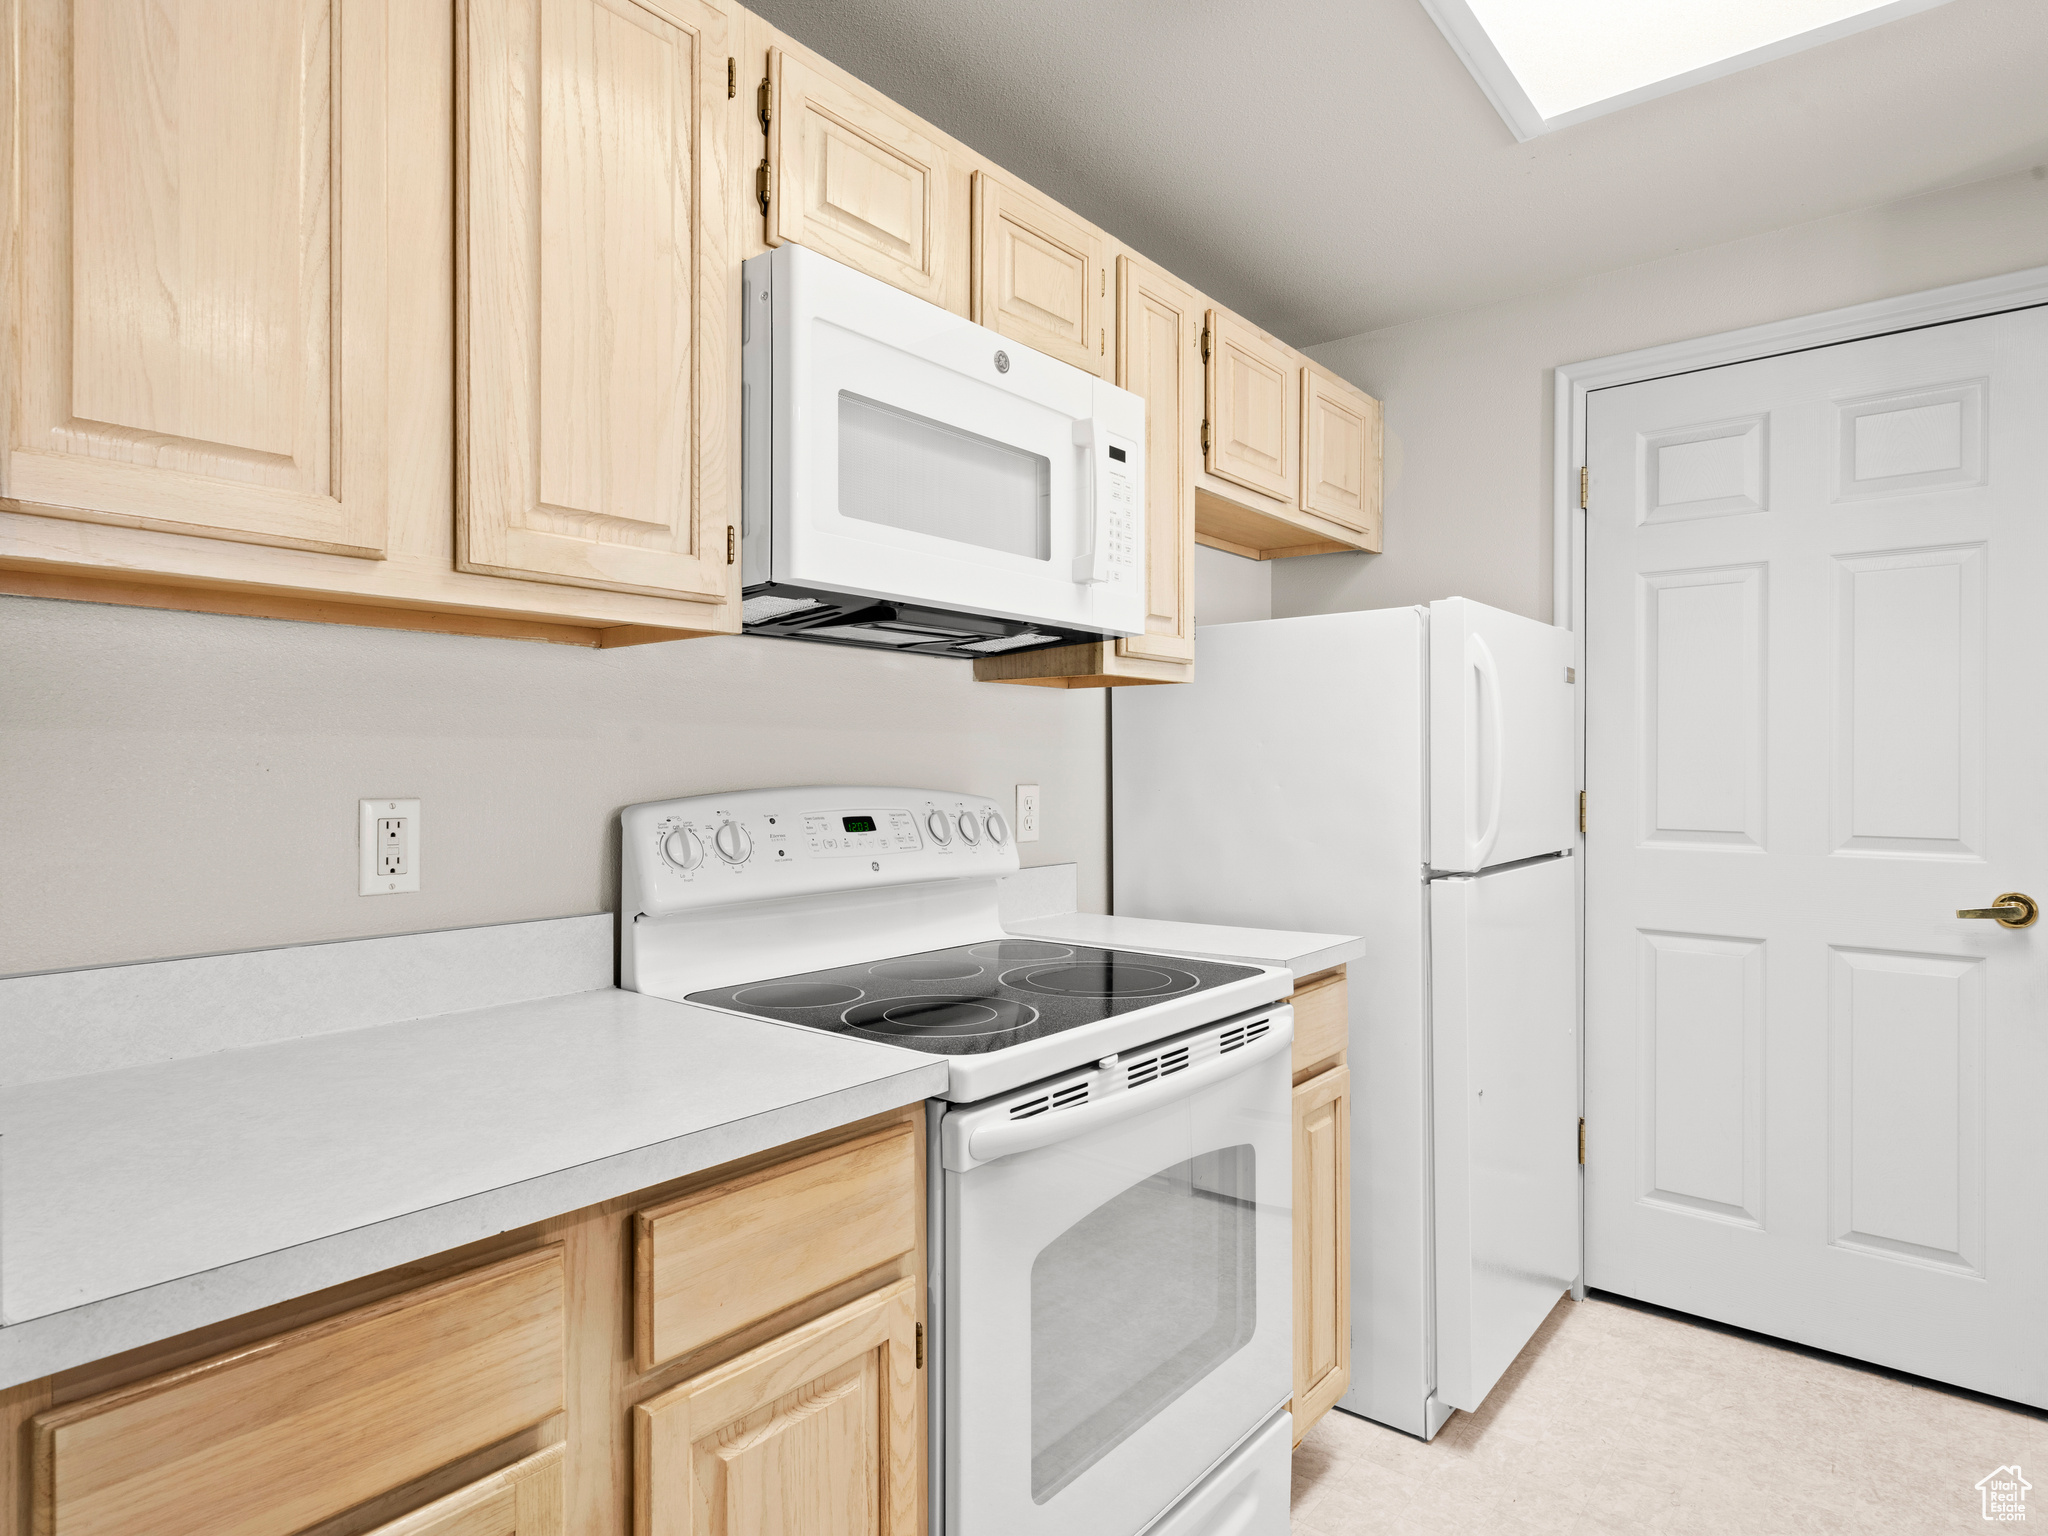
x: 858, y: 823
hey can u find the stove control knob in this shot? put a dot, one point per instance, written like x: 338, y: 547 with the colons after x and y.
x: 733, y: 843
x: 940, y: 828
x: 970, y: 829
x: 682, y: 849
x: 998, y: 829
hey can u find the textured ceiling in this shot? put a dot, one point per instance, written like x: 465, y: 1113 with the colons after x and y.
x: 1328, y: 167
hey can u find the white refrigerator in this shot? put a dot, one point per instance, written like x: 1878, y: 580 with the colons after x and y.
x: 1406, y: 774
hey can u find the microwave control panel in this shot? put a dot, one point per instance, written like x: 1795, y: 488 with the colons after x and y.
x: 1124, y: 526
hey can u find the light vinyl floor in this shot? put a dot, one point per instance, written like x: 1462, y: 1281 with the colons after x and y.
x: 1621, y: 1419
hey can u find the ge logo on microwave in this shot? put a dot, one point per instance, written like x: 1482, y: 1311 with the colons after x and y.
x: 1002, y: 362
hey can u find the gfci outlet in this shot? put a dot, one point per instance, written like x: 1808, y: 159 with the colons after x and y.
x: 387, y: 846
x: 1027, y: 813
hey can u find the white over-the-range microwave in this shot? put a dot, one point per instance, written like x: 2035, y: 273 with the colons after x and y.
x: 915, y: 482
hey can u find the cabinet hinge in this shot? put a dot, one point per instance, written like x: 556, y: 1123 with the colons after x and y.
x: 1105, y: 341
x: 764, y: 103
x: 1205, y: 343
x: 732, y: 544
x: 1582, y: 487
x: 1582, y: 1141
x: 920, y: 1326
x: 764, y: 182
x: 1205, y: 439
x: 732, y: 78
x: 1582, y: 810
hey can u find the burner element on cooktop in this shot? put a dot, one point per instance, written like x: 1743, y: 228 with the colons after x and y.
x: 1120, y: 978
x: 1020, y: 949
x: 797, y: 994
x: 958, y: 968
x: 948, y: 1017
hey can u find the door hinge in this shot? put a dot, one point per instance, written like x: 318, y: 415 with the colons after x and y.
x: 732, y: 544
x: 1582, y: 487
x: 764, y: 183
x: 1105, y: 341
x: 920, y: 1338
x: 1582, y: 1141
x: 1582, y: 810
x: 1205, y: 343
x: 732, y: 78
x: 764, y: 102
x: 1205, y: 439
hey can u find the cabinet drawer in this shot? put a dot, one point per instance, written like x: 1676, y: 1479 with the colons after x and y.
x: 270, y: 1439
x: 714, y: 1261
x: 1322, y: 1014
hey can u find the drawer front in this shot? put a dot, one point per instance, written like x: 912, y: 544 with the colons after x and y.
x: 1322, y: 1014
x: 712, y: 1262
x: 267, y: 1440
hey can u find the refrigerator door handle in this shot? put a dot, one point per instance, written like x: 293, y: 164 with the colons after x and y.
x: 1480, y: 656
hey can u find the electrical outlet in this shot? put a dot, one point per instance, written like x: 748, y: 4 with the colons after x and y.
x: 1027, y: 813
x: 387, y: 846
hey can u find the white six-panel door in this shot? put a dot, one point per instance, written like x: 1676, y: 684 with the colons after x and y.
x: 1817, y: 725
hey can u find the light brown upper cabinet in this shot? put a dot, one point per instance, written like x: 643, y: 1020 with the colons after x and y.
x: 1340, y: 453
x: 594, y: 307
x: 1159, y: 323
x: 853, y: 176
x: 198, y: 240
x: 1040, y: 276
x: 1253, y: 432
x: 1290, y: 452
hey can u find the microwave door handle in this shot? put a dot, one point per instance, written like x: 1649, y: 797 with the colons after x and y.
x: 1092, y: 564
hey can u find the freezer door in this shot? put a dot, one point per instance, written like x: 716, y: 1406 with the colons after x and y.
x: 1500, y: 737
x: 1506, y: 1054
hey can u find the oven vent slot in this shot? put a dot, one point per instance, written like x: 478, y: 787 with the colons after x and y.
x: 1024, y: 1109
x: 1070, y: 1095
x: 1139, y: 1073
x: 1172, y: 1061
x: 1242, y: 1034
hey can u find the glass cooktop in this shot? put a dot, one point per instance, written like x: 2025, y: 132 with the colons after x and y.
x: 977, y: 998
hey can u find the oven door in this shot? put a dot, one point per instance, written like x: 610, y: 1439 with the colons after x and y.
x: 1117, y: 1308
x: 922, y: 458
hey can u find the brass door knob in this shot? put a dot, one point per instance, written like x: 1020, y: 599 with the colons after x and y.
x: 2015, y: 909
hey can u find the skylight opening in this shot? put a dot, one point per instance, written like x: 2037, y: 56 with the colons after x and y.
x: 1546, y: 64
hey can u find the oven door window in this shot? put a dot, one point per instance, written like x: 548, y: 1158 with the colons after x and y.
x: 907, y: 471
x: 1134, y: 1304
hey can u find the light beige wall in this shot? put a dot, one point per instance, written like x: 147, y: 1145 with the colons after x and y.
x: 1230, y: 589
x: 1468, y: 469
x: 177, y: 784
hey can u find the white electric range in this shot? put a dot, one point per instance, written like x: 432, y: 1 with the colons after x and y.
x: 1111, y: 1182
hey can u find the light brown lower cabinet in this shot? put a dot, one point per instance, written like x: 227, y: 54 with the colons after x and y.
x: 499, y: 1390
x: 817, y: 1432
x: 1322, y: 1245
x: 523, y: 1500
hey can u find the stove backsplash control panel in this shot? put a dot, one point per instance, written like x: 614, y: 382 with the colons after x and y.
x: 752, y: 845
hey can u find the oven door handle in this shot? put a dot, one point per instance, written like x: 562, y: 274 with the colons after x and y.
x: 1007, y: 1137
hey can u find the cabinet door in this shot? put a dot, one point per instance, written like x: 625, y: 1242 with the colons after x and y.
x: 1158, y: 355
x: 198, y: 253
x: 855, y: 177
x: 1340, y: 453
x: 1252, y: 405
x: 818, y: 1431
x: 594, y: 306
x: 1322, y: 1245
x: 523, y: 1500
x: 1040, y: 276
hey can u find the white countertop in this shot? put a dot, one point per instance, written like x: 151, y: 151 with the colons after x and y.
x: 1302, y: 953
x: 141, y: 1202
